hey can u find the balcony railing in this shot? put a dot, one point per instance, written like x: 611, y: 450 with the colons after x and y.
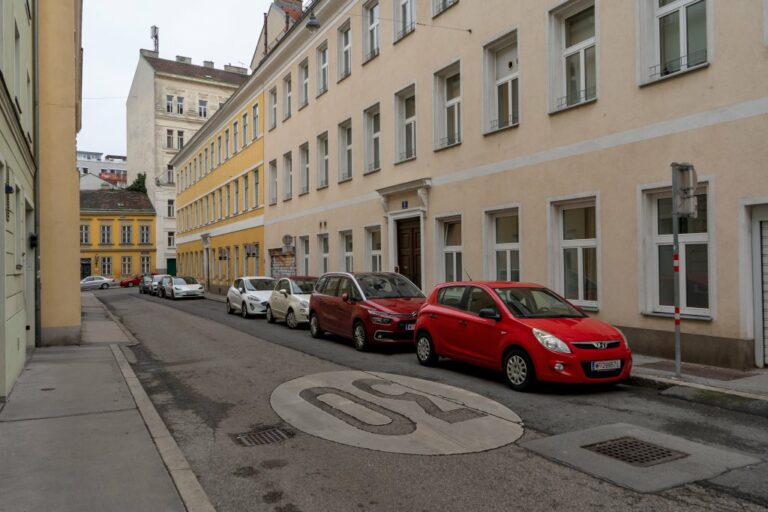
x: 373, y: 166
x: 439, y: 6
x: 504, y: 122
x: 681, y: 63
x: 577, y: 97
x: 450, y: 140
x: 405, y: 29
x: 372, y: 54
x: 407, y: 155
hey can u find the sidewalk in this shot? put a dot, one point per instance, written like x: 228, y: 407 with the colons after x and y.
x: 78, y: 433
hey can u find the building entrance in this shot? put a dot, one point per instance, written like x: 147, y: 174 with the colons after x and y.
x: 409, y: 249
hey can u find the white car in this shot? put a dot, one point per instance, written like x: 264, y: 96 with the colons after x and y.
x: 181, y: 287
x: 249, y: 295
x: 290, y: 301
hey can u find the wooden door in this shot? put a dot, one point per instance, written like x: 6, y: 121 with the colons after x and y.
x: 409, y: 249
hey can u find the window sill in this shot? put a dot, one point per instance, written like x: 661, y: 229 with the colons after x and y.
x: 272, y: 203
x: 571, y: 107
x: 676, y: 74
x: 343, y: 77
x: 321, y: 187
x: 345, y: 180
x: 447, y: 146
x: 372, y: 55
x: 683, y: 316
x: 85, y: 245
x: 285, y: 118
x: 286, y: 199
x: 404, y: 160
x: 303, y: 106
x: 499, y: 130
x: 304, y: 193
x: 321, y: 92
x: 438, y: 13
x: 272, y: 128
x: 372, y: 171
x: 402, y: 36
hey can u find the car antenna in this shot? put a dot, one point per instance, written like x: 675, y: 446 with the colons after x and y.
x: 469, y: 276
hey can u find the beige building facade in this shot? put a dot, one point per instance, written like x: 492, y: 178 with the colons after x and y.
x: 446, y: 143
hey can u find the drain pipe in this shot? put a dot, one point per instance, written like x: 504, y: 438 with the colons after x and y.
x: 36, y: 154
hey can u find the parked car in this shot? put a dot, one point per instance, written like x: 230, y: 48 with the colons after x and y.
x: 290, y: 301
x: 156, y: 280
x: 130, y: 282
x: 181, y: 287
x: 369, y: 307
x: 525, y: 330
x: 249, y: 295
x: 145, y: 286
x: 96, y: 282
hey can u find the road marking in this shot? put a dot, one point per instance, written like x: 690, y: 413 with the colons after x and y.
x: 394, y: 413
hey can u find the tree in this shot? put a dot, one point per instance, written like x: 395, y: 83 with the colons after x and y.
x: 139, y: 184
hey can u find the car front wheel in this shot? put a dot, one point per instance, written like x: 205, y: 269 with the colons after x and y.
x: 244, y: 310
x: 130, y: 285
x: 229, y: 308
x: 290, y: 319
x: 519, y: 370
x: 270, y: 315
x: 314, y: 327
x: 104, y: 286
x: 425, y: 350
x: 360, y: 337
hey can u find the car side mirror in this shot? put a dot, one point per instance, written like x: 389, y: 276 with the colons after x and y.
x: 285, y: 293
x: 489, y: 313
x: 242, y: 290
x: 345, y: 297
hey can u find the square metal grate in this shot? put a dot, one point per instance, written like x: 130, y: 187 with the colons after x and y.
x: 261, y: 437
x: 635, y: 451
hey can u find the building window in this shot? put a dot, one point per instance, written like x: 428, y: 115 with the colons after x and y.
x: 180, y: 138
x: 322, y: 160
x: 229, y: 201
x: 273, y: 182
x: 169, y: 139
x: 171, y: 208
x: 146, y: 265
x: 347, y: 251
x: 345, y: 150
x: 287, y: 97
x: 448, y: 108
x: 255, y: 117
x: 179, y: 105
x: 245, y: 129
x: 144, y: 234
x: 680, y: 36
x: 406, y: 123
x: 452, y: 250
x: 106, y: 234
x: 322, y: 244
x: 304, y: 170
x: 371, y: 15
x: 501, y: 78
x: 505, y: 245
x: 106, y: 265
x: 272, y: 109
x: 226, y: 144
x: 578, y: 253
x: 126, y: 265
x: 125, y: 234
x: 218, y: 150
x: 236, y: 204
x: 256, y: 182
x: 345, y: 51
x: 235, y: 137
x: 207, y: 168
x: 245, y: 193
x: 287, y: 176
x: 404, y: 19
x: 221, y: 204
x: 574, y: 48
x: 373, y: 236
x: 304, y: 255
x: 202, y: 108
x: 322, y: 69
x: 372, y: 142
x: 169, y: 104
x: 303, y: 84
x: 85, y: 234
x: 171, y: 239
x: 212, y: 164
x: 438, y: 6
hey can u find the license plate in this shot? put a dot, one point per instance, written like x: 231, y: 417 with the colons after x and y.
x: 602, y: 366
x: 409, y: 327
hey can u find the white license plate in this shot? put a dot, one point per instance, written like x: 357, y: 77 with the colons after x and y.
x: 409, y: 327
x: 602, y: 366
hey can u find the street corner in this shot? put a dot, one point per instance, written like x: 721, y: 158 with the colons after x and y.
x: 395, y: 413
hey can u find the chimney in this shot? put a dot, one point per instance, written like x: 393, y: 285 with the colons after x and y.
x: 235, y: 69
x: 208, y: 64
x: 185, y: 60
x: 148, y: 53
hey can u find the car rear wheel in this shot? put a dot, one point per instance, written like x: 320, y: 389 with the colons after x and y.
x: 314, y: 327
x: 229, y: 308
x: 244, y: 310
x: 290, y: 319
x: 360, y: 337
x: 104, y: 286
x: 270, y: 315
x: 425, y: 350
x: 519, y: 370
x: 130, y: 285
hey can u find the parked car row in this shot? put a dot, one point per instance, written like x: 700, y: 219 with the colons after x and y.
x: 524, y: 330
x: 171, y: 287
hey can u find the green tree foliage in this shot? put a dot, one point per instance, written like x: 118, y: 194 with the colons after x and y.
x: 139, y: 184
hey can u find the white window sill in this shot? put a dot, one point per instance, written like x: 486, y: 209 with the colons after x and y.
x: 404, y: 160
x: 571, y: 107
x: 499, y: 130
x: 676, y: 74
x: 683, y: 316
x: 447, y: 146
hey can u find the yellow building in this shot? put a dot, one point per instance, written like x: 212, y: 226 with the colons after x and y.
x: 220, y: 201
x: 117, y: 233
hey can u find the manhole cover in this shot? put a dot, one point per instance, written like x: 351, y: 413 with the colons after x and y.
x: 267, y: 436
x: 635, y: 451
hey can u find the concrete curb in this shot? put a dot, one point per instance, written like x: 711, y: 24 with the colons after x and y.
x: 128, y: 334
x: 653, y: 380
x: 192, y: 493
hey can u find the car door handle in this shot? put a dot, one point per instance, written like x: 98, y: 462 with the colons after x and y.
x: 432, y: 316
x: 463, y: 323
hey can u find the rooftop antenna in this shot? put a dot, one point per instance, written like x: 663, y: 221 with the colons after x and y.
x: 154, y: 33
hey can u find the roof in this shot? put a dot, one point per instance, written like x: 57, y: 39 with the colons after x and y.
x: 115, y: 201
x: 194, y: 71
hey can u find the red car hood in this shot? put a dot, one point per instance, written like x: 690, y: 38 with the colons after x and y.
x: 574, y: 329
x: 400, y: 305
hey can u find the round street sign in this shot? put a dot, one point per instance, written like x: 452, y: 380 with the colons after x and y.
x: 394, y: 413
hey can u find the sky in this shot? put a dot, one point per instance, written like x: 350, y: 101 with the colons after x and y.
x: 224, y: 31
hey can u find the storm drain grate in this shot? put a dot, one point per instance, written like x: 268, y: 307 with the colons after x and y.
x: 261, y: 437
x: 635, y: 451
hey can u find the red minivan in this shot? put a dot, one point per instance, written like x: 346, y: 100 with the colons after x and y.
x: 371, y: 307
x: 525, y: 330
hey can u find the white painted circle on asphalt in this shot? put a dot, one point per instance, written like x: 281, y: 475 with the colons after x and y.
x: 394, y: 413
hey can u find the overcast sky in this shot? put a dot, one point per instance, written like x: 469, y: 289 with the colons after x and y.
x: 224, y: 31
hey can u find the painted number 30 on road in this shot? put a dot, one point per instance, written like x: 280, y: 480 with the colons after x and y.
x: 393, y: 413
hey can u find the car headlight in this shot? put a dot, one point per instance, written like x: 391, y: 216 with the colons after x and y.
x: 623, y: 337
x: 177, y: 288
x: 304, y: 303
x: 551, y: 342
x: 378, y: 317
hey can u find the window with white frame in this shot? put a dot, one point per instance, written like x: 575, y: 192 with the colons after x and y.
x: 228, y: 203
x: 322, y: 69
x: 226, y: 144
x: 245, y: 193
x: 146, y: 264
x: 106, y: 235
x: 505, y: 245
x: 202, y: 108
x: 179, y: 105
x: 406, y: 123
x: 235, y: 137
x: 126, y: 265
x: 693, y: 257
x: 125, y: 234
x: 304, y: 170
x: 273, y: 182
x: 255, y: 117
x: 304, y: 255
x: 373, y: 242
x: 345, y: 150
x: 169, y: 104
x: 171, y: 239
x: 287, y: 97
x: 679, y: 36
x: 323, y: 246
x: 345, y: 51
x: 245, y: 129
x: 438, y: 6
x: 221, y: 204
x: 347, y: 251
x: 448, y: 106
x: 287, y: 176
x: 180, y: 138
x: 171, y: 208
x: 218, y: 150
x: 256, y: 184
x: 303, y: 83
x: 207, y: 168
x: 144, y: 231
x: 578, y: 252
x: 273, y: 108
x: 372, y: 142
x: 106, y: 265
x: 169, y: 139
x: 501, y: 79
x: 236, y: 203
x: 371, y: 15
x: 322, y: 160
x: 404, y: 18
x: 452, y: 250
x: 85, y: 234
x: 574, y: 53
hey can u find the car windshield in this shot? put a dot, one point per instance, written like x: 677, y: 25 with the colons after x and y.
x: 536, y: 303
x: 386, y: 286
x: 303, y: 286
x: 184, y: 280
x: 157, y: 279
x: 259, y: 285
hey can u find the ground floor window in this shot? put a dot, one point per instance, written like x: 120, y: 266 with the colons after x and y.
x: 304, y: 255
x: 106, y: 265
x: 126, y: 265
x: 452, y: 250
x: 374, y: 249
x: 347, y: 250
x: 505, y: 245
x: 578, y: 252
x: 322, y: 244
x: 146, y: 265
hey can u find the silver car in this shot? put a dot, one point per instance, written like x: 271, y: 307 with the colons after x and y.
x: 181, y: 287
x: 155, y: 287
x: 96, y: 282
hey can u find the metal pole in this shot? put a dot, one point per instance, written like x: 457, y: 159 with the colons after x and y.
x: 676, y: 265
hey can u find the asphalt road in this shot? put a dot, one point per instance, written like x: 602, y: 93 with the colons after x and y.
x: 211, y: 376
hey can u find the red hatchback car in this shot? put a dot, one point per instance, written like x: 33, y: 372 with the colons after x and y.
x: 375, y: 307
x: 130, y: 282
x: 525, y: 330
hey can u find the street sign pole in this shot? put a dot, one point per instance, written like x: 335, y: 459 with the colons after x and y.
x: 676, y: 266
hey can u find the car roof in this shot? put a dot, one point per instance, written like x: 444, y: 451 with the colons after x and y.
x: 256, y: 277
x: 299, y: 277
x: 492, y: 284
